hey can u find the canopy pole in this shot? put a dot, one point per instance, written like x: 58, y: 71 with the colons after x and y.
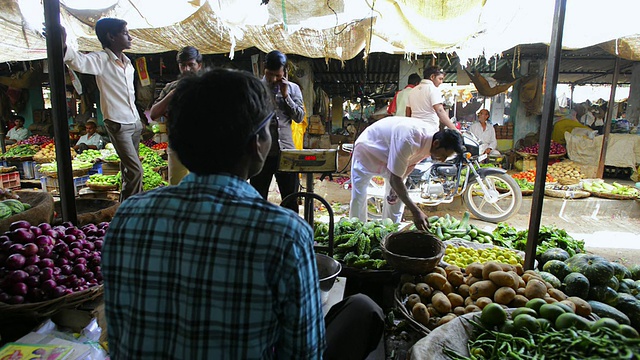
x: 553, y: 64
x: 609, y: 119
x: 55, y: 58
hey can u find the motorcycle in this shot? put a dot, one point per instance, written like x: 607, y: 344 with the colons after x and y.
x: 488, y: 192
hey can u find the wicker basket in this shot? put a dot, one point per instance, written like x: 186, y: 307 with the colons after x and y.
x: 75, y: 173
x: 400, y: 301
x: 612, y: 196
x: 413, y: 252
x: 102, y: 187
x: 567, y: 181
x: 44, y: 309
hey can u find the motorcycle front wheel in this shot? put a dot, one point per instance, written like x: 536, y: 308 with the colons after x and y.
x: 500, y: 199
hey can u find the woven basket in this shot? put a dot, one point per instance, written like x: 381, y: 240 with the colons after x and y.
x: 613, y: 196
x: 400, y: 301
x: 567, y: 181
x: 75, y: 173
x: 101, y: 187
x: 45, y: 309
x: 413, y: 252
x: 567, y: 194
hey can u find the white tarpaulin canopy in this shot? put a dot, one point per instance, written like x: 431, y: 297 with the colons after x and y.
x: 338, y: 29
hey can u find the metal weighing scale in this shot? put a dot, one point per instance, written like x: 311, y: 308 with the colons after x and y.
x: 310, y: 161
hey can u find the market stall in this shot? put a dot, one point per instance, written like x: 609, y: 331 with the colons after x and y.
x: 623, y: 150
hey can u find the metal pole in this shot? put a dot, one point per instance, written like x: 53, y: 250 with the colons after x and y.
x: 553, y: 64
x: 55, y: 57
x: 609, y: 119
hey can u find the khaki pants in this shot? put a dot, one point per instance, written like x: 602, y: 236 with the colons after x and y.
x: 126, y: 140
x: 177, y: 171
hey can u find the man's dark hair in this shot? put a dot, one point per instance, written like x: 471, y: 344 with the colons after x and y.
x: 431, y: 70
x: 17, y: 117
x: 107, y: 26
x: 275, y: 60
x: 414, y: 79
x: 450, y: 140
x: 188, y: 53
x: 212, y: 116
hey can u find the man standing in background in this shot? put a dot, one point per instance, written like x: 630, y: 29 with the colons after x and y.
x: 398, y: 106
x: 427, y: 103
x: 189, y: 62
x: 114, y: 76
x: 289, y: 107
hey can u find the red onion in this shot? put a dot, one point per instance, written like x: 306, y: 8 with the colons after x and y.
x: 20, y: 224
x: 36, y: 231
x: 16, y: 249
x: 15, y: 262
x: 19, y: 289
x: 46, y: 273
x: 31, y: 260
x: 30, y: 249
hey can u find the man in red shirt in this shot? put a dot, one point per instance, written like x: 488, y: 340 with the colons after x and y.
x: 400, y: 99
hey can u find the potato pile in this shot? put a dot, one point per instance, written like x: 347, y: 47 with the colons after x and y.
x: 48, y: 154
x: 440, y: 296
x: 566, y: 170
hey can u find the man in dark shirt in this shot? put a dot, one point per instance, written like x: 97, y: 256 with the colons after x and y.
x: 289, y: 107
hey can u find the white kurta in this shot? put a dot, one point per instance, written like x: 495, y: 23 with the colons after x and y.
x: 487, y: 136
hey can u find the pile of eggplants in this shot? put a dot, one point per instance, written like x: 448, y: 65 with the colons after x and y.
x: 45, y: 262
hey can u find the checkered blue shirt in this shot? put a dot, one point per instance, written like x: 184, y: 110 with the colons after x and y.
x: 207, y: 269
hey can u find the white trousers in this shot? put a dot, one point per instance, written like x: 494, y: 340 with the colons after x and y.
x: 360, y: 180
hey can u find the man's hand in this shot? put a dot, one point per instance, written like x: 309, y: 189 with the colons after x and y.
x: 284, y: 87
x: 488, y: 151
x: 421, y: 220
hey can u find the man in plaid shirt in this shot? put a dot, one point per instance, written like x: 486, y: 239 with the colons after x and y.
x: 208, y: 269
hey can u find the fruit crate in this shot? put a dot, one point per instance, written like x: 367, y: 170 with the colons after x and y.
x: 25, y: 168
x: 51, y: 185
x: 10, y: 180
x: 96, y: 169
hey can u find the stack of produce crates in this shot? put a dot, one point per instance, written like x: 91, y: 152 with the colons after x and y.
x: 10, y: 180
x: 51, y: 185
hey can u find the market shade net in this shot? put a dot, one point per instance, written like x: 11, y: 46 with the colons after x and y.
x: 337, y: 29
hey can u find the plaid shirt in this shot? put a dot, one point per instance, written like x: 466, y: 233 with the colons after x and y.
x: 207, y: 269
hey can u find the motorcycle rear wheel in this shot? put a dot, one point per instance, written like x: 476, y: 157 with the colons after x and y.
x: 501, y: 202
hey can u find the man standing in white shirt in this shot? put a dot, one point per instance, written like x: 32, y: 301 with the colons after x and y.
x: 426, y: 101
x: 114, y: 77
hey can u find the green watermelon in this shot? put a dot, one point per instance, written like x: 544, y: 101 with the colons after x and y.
x: 630, y: 306
x: 635, y: 272
x: 603, y: 294
x: 596, y: 268
x: 5, y: 211
x: 623, y: 288
x: 553, y: 254
x: 551, y: 279
x: 16, y: 206
x: 620, y: 271
x: 576, y: 284
x: 557, y: 268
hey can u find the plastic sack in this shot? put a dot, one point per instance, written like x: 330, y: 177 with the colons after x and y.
x: 298, y: 130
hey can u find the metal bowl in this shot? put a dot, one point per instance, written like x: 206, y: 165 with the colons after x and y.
x: 328, y: 270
